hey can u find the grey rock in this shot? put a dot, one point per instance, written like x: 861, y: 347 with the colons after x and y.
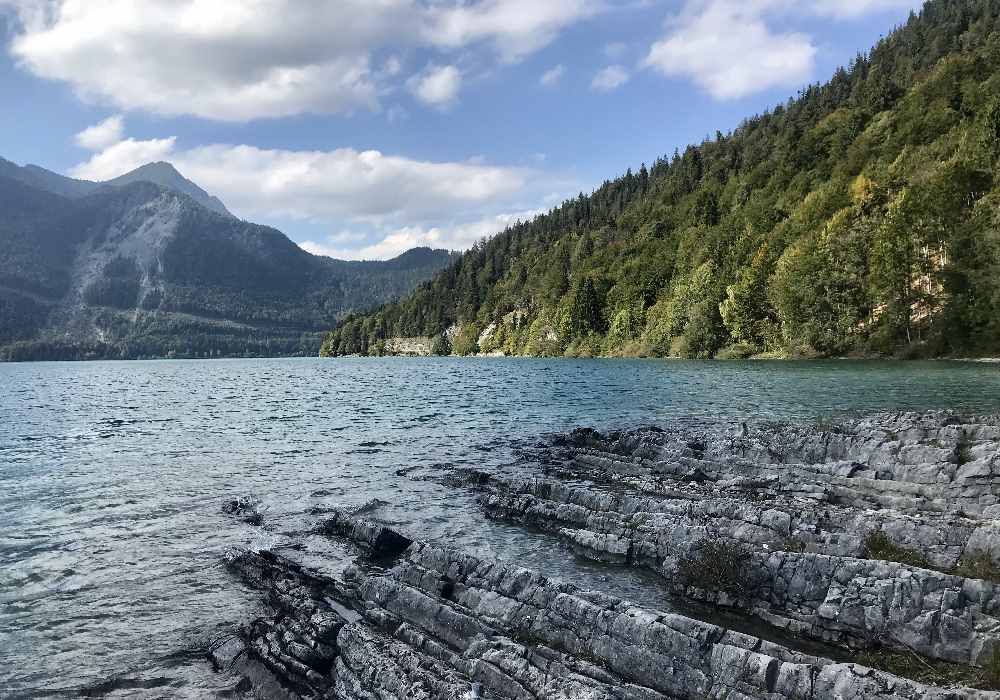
x: 439, y: 621
x: 630, y: 502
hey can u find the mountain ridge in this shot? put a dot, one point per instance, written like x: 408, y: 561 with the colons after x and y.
x: 160, y: 173
x: 166, y: 175
x: 137, y: 269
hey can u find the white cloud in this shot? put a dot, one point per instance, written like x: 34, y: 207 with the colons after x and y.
x: 609, y: 78
x: 102, y: 134
x: 436, y: 86
x: 346, y: 184
x: 395, y: 241
x: 727, y: 48
x: 333, y: 244
x: 221, y: 60
x: 552, y: 76
x: 123, y: 156
x: 235, y: 61
x: 515, y: 28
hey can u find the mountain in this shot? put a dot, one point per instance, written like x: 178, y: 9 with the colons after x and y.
x: 136, y: 268
x: 860, y: 218
x: 163, y: 174
x: 47, y: 180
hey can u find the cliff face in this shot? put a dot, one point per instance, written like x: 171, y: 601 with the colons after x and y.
x: 874, y: 535
x: 410, y: 347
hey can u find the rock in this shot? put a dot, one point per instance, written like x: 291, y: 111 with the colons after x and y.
x: 845, y: 534
x: 985, y: 539
x: 420, y: 346
x: 247, y: 508
x: 631, y: 501
x: 440, y: 622
x: 225, y: 653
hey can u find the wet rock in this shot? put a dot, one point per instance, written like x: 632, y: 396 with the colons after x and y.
x: 247, y: 508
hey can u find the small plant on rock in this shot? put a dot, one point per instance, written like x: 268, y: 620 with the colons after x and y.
x: 792, y: 544
x: 991, y: 671
x: 963, y: 450
x: 717, y: 565
x: 978, y: 565
x: 878, y: 545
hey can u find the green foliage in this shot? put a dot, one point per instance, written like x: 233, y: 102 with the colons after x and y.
x: 466, y: 340
x: 441, y: 346
x: 717, y: 565
x: 978, y: 565
x: 584, y: 315
x: 748, y: 317
x: 860, y: 217
x: 878, y: 545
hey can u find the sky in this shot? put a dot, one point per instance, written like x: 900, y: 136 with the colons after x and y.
x: 363, y: 128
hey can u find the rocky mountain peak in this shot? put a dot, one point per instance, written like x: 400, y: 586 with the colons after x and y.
x: 166, y: 175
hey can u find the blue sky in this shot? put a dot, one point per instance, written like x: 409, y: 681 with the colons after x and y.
x: 362, y: 128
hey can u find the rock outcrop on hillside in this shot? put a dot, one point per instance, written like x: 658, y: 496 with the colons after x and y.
x: 869, y: 534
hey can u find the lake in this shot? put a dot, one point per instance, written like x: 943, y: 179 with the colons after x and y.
x: 113, y: 474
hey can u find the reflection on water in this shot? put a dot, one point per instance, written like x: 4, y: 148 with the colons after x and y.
x: 112, y: 477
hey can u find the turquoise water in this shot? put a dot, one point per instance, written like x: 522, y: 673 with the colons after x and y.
x: 112, y: 475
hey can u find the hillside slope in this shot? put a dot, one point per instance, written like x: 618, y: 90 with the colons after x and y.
x: 141, y: 270
x: 860, y: 217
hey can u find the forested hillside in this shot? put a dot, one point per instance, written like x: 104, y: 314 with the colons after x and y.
x: 859, y: 218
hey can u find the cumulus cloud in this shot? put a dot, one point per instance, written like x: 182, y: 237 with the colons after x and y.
x: 102, y: 134
x: 436, y: 86
x: 334, y: 244
x: 609, y: 78
x: 552, y: 76
x: 270, y: 58
x: 391, y: 243
x: 123, y: 156
x: 727, y: 48
x: 515, y: 28
x: 221, y: 60
x: 345, y: 183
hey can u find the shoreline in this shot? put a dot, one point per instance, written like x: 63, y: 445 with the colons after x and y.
x: 877, y: 536
x: 753, y: 358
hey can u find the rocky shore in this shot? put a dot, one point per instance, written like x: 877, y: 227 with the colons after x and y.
x: 874, y: 537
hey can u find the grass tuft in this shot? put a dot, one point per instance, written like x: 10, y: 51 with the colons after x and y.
x: 717, y: 565
x: 878, y: 545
